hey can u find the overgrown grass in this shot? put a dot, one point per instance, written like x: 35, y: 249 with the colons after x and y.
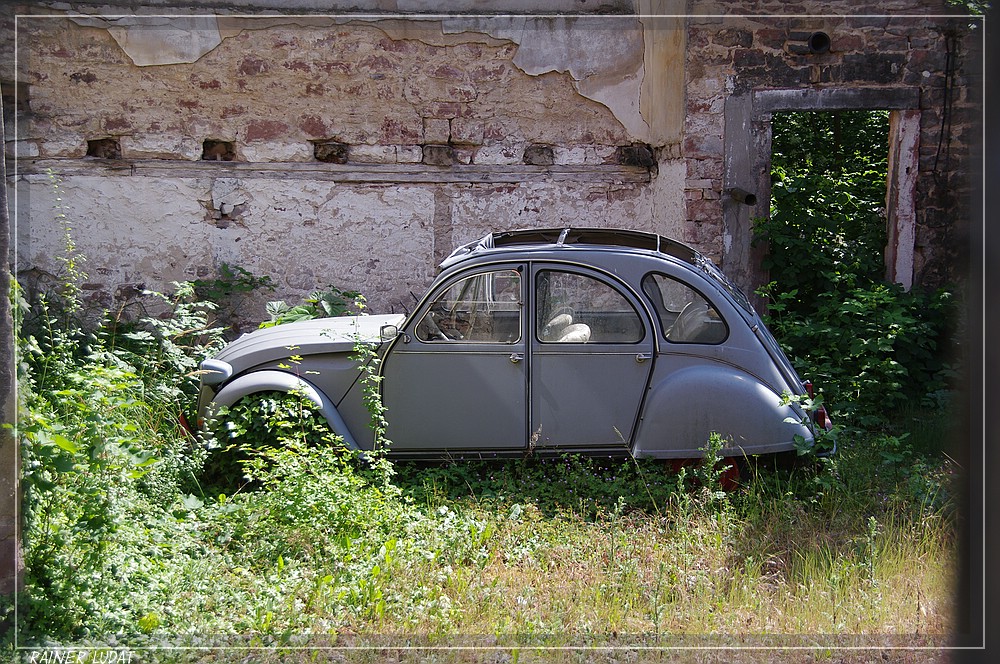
x: 312, y: 544
x: 555, y: 553
x: 138, y: 534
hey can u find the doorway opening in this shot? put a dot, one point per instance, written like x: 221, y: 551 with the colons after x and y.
x: 829, y: 221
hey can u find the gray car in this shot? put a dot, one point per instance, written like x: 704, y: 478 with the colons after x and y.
x: 568, y: 340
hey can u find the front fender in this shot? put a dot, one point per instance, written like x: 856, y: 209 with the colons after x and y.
x: 279, y: 381
x: 687, y: 405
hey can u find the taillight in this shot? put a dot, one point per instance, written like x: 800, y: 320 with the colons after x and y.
x: 809, y: 388
x: 822, y: 419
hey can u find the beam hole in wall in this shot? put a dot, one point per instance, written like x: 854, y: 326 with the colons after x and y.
x: 214, y: 150
x: 539, y: 155
x: 808, y: 43
x: 438, y: 155
x: 637, y: 154
x: 331, y: 152
x: 104, y: 148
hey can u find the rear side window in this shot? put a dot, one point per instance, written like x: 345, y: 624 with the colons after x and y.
x: 686, y: 316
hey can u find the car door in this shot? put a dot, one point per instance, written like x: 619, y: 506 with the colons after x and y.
x: 456, y: 378
x: 591, y: 353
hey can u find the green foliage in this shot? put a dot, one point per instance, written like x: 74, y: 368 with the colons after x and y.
x: 100, y: 446
x: 972, y: 7
x: 873, y: 349
x: 258, y: 422
x: 124, y: 547
x: 309, y: 498
x: 319, y: 304
x: 232, y: 282
x: 586, y: 486
x: 368, y: 360
x: 827, y: 224
x: 871, y: 346
x: 709, y: 473
x: 229, y: 291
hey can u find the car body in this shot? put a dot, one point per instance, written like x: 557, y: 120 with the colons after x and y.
x: 584, y: 340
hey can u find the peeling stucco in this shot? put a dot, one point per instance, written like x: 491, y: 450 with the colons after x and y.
x: 161, y: 40
x: 605, y: 56
x: 384, y: 240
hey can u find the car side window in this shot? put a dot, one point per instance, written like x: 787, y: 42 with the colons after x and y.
x: 577, y: 308
x: 483, y: 308
x: 686, y: 316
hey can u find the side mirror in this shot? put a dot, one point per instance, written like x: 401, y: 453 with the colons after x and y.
x: 388, y: 332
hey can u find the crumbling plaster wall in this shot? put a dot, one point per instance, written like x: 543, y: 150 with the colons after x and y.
x: 444, y: 111
x: 395, y: 91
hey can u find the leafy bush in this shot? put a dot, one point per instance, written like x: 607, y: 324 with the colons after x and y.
x: 102, y: 446
x: 873, y: 349
x: 870, y: 345
x: 319, y: 304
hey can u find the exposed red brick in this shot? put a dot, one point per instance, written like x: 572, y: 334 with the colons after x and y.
x: 313, y: 126
x: 621, y: 193
x: 394, y: 46
x: 264, y: 130
x: 488, y: 74
x: 448, y: 72
x: 252, y: 66
x: 116, y: 124
x: 335, y: 67
x: 704, y: 210
x: 378, y: 62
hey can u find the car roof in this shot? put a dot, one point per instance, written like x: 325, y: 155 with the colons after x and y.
x: 541, y: 239
x: 518, y: 243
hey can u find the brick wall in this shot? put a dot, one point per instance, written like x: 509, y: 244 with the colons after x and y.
x: 905, y: 49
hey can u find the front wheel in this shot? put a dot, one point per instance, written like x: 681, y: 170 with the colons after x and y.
x: 257, y: 422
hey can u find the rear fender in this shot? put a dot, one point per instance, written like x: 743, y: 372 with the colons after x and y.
x: 279, y: 381
x: 688, y: 404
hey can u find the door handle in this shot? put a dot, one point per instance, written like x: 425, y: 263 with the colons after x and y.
x: 516, y: 357
x: 642, y: 357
